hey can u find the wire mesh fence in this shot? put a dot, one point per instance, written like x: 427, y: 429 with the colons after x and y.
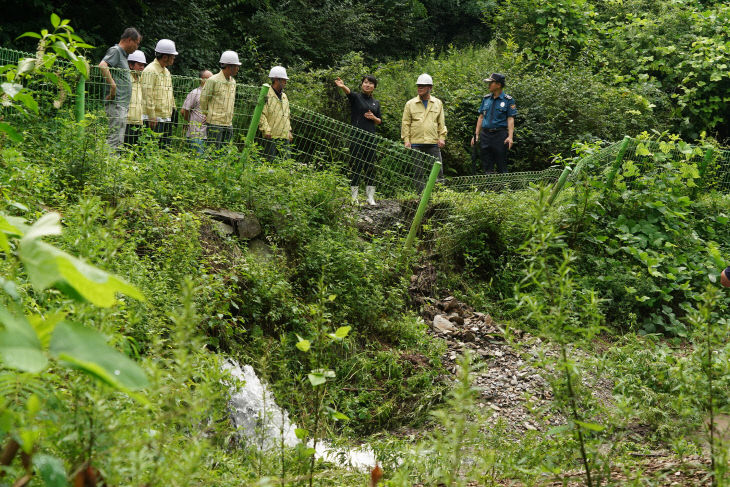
x: 398, y: 174
x: 632, y: 162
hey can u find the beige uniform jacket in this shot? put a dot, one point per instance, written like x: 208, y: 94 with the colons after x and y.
x: 217, y: 99
x: 134, y: 116
x: 159, y: 101
x: 275, y: 116
x: 423, y: 125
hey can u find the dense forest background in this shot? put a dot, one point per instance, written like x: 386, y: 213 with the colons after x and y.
x: 580, y: 70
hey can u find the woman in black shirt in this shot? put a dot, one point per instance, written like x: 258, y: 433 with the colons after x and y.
x: 365, y: 115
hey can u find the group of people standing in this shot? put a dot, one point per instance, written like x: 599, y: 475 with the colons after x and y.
x: 138, y: 95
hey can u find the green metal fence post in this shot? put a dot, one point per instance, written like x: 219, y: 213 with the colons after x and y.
x: 80, y: 99
x: 254, y: 122
x: 617, y: 162
x: 423, y: 204
x: 559, y: 185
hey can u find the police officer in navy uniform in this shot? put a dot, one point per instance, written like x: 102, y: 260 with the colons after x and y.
x: 495, y: 125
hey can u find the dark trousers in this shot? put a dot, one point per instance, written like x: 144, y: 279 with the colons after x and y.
x: 423, y: 167
x: 493, y: 150
x: 165, y: 131
x: 362, y: 157
x: 274, y: 148
x: 132, y: 134
x: 218, y: 135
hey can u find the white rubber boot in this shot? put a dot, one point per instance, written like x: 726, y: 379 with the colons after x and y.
x: 353, y: 192
x: 370, y: 191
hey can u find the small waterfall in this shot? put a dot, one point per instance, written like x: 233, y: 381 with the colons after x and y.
x: 263, y: 423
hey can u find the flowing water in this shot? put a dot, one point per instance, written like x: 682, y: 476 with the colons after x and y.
x: 261, y: 422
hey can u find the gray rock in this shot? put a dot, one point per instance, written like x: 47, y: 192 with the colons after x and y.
x: 442, y: 324
x: 248, y: 227
x: 222, y: 229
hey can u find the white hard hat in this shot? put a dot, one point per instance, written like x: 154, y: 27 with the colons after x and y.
x: 229, y: 57
x: 424, y: 79
x: 165, y: 46
x: 278, y: 72
x: 137, y: 57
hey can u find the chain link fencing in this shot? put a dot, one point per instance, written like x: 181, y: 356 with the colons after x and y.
x: 399, y: 174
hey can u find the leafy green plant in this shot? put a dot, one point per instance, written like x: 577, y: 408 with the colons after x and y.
x: 319, y: 376
x: 29, y: 343
x: 564, y: 314
x: 54, y: 47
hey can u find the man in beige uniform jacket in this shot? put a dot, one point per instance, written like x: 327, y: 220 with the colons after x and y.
x: 275, y: 123
x: 423, y: 127
x: 217, y: 100
x: 159, y: 100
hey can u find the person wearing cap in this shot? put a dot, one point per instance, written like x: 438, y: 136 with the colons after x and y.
x: 423, y: 127
x: 137, y: 61
x: 365, y: 115
x: 193, y: 115
x: 495, y: 125
x: 159, y: 102
x: 118, y: 87
x: 217, y: 100
x: 275, y: 123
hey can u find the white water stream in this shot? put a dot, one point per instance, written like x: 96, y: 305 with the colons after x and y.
x: 263, y: 423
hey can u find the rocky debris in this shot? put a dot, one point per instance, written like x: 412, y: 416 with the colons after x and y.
x: 510, y: 388
x: 375, y: 220
x: 423, y: 284
x: 246, y: 226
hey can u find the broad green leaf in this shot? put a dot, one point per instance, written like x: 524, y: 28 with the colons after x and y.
x: 11, y: 89
x: 55, y: 20
x: 343, y: 331
x: 49, y: 267
x: 26, y: 65
x: 33, y: 406
x: 87, y: 350
x: 303, y: 345
x: 51, y: 470
x: 301, y: 433
x: 48, y: 224
x: 28, y: 101
x: 316, y: 379
x: 10, y: 288
x: 20, y: 347
x: 642, y: 150
x: 44, y: 326
x: 11, y: 132
x: 590, y: 426
x: 35, y: 35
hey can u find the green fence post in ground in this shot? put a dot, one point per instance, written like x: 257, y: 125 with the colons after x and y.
x: 254, y: 122
x: 559, y: 185
x: 617, y: 162
x: 423, y: 204
x: 80, y: 99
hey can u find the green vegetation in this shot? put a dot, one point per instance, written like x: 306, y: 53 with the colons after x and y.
x: 120, y: 300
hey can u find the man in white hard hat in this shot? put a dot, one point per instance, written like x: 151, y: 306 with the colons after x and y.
x: 118, y: 88
x: 217, y: 100
x: 423, y: 127
x: 137, y: 62
x: 159, y: 101
x: 275, y: 123
x: 194, y: 116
